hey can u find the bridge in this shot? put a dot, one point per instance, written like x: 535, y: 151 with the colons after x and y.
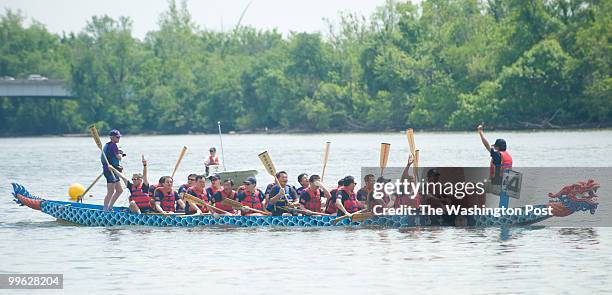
x: 35, y: 88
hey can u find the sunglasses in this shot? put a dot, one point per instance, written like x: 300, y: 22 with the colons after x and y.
x: 191, y: 179
x: 136, y: 179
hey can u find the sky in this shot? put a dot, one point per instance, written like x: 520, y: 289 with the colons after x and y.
x: 284, y: 15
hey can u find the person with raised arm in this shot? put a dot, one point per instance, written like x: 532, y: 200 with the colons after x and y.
x: 500, y: 158
x: 140, y: 201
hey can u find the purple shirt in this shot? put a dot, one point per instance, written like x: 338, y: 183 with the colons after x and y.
x: 111, y: 150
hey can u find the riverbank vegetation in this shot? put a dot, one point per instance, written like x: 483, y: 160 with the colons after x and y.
x: 437, y: 65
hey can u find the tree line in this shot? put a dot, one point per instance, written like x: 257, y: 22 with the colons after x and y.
x: 441, y: 64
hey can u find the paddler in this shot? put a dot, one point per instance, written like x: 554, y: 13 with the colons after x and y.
x: 407, y: 198
x: 303, y: 181
x: 140, y: 201
x: 251, y: 197
x: 365, y: 192
x: 226, y: 193
x: 191, y: 179
x: 500, y: 158
x: 166, y: 198
x: 215, y: 184
x: 311, y: 196
x: 282, y: 197
x: 114, y: 156
x: 330, y: 204
x: 198, y: 191
x: 346, y: 200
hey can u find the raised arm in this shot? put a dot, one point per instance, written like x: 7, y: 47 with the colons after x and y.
x: 484, y: 140
x: 326, y: 193
x: 145, y: 179
x: 407, y: 168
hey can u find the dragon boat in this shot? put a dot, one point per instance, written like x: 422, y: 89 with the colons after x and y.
x: 570, y: 199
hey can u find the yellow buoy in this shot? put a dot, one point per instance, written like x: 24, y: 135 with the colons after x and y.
x: 75, y: 190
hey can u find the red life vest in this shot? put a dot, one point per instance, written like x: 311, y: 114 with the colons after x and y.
x: 224, y: 195
x: 213, y: 161
x: 351, y: 204
x: 202, y: 196
x: 212, y: 190
x: 168, y: 201
x: 142, y: 199
x: 153, y: 188
x: 314, y: 202
x: 330, y: 204
x: 506, y: 163
x: 252, y: 200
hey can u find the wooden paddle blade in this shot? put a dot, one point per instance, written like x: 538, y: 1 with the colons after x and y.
x: 346, y: 216
x: 178, y: 162
x: 411, y: 144
x: 362, y: 216
x: 267, y: 162
x: 95, y: 135
x: 415, y: 165
x: 325, y: 157
x: 384, y: 156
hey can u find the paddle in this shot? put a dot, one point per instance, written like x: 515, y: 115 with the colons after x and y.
x: 238, y: 206
x: 362, y: 216
x: 325, y: 156
x: 414, y: 152
x: 347, y: 216
x: 200, y: 202
x: 384, y: 156
x: 267, y: 162
x: 90, y: 186
x: 221, y: 141
x: 411, y: 144
x: 178, y: 162
x: 415, y: 165
x: 303, y: 211
x: 96, y: 137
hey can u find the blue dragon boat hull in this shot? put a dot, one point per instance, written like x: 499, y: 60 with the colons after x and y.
x: 94, y: 215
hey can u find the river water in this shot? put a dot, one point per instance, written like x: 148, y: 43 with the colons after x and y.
x: 537, y: 259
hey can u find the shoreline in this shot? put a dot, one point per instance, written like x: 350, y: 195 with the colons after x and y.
x: 331, y: 131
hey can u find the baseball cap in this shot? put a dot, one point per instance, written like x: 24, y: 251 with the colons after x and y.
x: 250, y: 180
x: 114, y: 132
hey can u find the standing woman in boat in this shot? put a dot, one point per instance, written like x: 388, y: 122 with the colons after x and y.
x: 166, y: 198
x: 114, y: 156
x: 500, y: 158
